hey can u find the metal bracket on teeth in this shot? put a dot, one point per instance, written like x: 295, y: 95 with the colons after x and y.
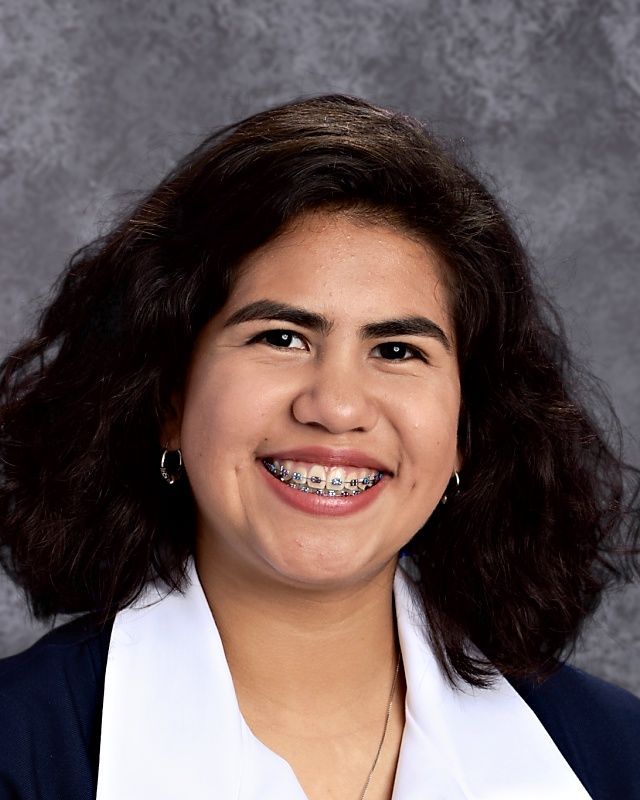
x: 283, y: 474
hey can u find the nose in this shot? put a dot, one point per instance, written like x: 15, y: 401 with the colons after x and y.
x: 336, y: 396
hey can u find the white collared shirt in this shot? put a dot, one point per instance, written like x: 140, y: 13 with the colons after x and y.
x: 172, y: 727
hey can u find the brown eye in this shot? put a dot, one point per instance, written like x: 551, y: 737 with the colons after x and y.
x: 397, y: 351
x: 283, y: 339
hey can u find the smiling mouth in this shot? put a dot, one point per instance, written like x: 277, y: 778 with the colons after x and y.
x: 323, y: 481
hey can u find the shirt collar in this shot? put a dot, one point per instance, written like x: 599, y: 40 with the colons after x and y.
x: 172, y: 727
x: 468, y: 744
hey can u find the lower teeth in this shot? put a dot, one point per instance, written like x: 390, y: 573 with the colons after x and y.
x: 322, y: 492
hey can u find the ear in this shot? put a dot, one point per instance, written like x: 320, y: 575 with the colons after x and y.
x: 172, y: 423
x: 458, y: 462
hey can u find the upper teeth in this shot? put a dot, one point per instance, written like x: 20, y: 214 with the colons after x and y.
x: 336, y: 480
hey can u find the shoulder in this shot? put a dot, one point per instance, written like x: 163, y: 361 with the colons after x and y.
x: 50, y: 701
x: 79, y: 641
x: 596, y: 727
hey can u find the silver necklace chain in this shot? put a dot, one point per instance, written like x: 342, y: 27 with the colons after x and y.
x: 384, y: 730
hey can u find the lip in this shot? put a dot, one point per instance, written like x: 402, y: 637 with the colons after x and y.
x: 322, y: 505
x: 329, y: 456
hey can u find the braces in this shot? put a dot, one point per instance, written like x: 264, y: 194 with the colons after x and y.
x: 282, y: 474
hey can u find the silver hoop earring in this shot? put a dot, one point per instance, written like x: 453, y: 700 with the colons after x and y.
x: 171, y: 475
x: 455, y: 477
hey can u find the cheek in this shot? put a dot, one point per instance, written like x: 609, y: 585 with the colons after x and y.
x: 226, y: 413
x: 429, y: 429
x: 212, y: 414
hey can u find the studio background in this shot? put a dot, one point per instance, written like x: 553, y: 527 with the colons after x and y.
x: 100, y: 97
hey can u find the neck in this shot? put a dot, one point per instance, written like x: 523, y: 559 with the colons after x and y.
x: 299, y: 655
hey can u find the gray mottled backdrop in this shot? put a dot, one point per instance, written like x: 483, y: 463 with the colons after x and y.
x: 98, y: 98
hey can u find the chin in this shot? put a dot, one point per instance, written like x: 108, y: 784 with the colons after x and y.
x: 326, y: 569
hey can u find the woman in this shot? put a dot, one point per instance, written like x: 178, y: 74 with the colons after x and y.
x: 324, y: 332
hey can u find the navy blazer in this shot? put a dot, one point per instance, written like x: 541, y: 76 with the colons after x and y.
x: 51, y: 701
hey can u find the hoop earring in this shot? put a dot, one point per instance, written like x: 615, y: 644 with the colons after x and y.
x: 174, y: 475
x: 455, y: 477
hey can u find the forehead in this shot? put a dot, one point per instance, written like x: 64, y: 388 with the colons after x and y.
x: 338, y: 264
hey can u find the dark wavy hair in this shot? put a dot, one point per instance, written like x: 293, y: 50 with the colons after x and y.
x: 546, y: 515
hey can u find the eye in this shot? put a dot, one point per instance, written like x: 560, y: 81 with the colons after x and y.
x: 398, y: 351
x: 283, y: 339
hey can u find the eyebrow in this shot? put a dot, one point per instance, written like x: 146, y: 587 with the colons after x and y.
x: 268, y: 309
x: 406, y: 326
x: 403, y: 326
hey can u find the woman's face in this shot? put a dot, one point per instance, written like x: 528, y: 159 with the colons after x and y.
x: 333, y: 366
